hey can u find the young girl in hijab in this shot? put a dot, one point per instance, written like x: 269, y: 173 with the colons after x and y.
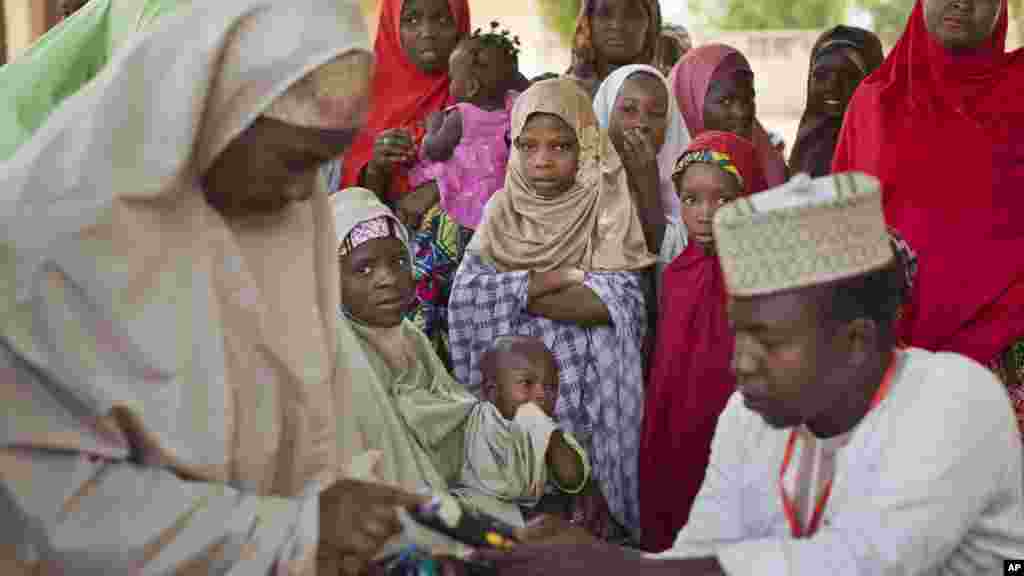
x: 690, y: 380
x: 558, y: 256
x: 613, y: 33
x: 842, y: 57
x: 637, y: 100
x: 400, y: 398
x: 950, y: 80
x: 415, y: 39
x: 464, y: 154
x: 714, y: 88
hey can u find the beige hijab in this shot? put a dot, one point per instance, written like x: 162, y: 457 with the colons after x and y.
x: 211, y: 343
x: 594, y: 226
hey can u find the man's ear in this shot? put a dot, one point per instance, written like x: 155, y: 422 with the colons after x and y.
x: 474, y: 86
x: 860, y: 338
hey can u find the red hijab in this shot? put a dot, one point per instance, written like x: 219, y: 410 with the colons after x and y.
x: 690, y: 380
x: 691, y: 78
x: 403, y: 96
x: 943, y: 132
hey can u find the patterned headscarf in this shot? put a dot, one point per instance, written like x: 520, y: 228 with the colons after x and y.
x: 373, y: 229
x: 713, y: 157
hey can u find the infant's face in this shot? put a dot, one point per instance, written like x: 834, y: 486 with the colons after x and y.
x: 522, y: 377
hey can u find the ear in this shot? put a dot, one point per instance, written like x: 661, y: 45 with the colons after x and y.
x: 860, y: 338
x: 490, y: 391
x: 474, y: 86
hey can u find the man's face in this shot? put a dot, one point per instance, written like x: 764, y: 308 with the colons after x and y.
x: 784, y: 356
x: 961, y: 24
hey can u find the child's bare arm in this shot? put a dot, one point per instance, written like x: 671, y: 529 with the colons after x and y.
x: 442, y: 138
x: 566, y: 464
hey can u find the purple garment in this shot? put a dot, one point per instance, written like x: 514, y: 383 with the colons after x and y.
x: 476, y: 170
x: 601, y: 369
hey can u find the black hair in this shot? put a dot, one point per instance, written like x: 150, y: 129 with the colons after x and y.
x: 504, y: 42
x: 877, y: 295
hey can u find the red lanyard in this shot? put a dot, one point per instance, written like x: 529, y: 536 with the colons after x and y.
x: 789, y: 506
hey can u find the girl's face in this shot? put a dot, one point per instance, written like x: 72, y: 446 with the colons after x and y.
x: 428, y: 33
x: 961, y: 24
x: 834, y: 78
x: 619, y: 29
x: 729, y: 105
x: 377, y: 283
x: 550, y: 154
x: 703, y: 189
x: 642, y: 104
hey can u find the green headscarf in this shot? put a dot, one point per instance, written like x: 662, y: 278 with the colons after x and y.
x: 64, y: 60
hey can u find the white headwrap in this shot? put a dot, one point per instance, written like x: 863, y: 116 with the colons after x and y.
x: 677, y: 137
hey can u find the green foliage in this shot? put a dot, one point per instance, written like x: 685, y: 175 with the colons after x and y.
x: 768, y: 14
x: 889, y: 17
x: 560, y: 16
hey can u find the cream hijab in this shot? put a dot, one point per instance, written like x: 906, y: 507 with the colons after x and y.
x: 677, y: 137
x: 594, y: 226
x: 136, y: 300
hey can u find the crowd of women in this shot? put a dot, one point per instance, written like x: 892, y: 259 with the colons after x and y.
x: 254, y: 273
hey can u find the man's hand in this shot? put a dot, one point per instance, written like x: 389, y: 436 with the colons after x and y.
x: 357, y: 519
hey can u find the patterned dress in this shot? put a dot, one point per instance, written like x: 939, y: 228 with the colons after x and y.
x: 601, y: 390
x: 1009, y: 367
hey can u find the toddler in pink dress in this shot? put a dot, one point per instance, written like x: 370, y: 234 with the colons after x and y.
x: 466, y: 148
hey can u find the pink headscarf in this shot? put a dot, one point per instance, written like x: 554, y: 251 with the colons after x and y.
x: 690, y: 79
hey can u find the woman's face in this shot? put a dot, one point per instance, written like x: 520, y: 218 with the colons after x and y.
x: 257, y: 172
x: 619, y: 29
x: 377, y: 284
x: 550, y: 154
x: 429, y: 34
x: 729, y: 105
x: 961, y: 24
x: 642, y: 104
x: 703, y: 189
x: 834, y: 78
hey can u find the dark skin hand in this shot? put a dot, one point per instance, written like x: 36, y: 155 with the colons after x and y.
x: 592, y: 508
x: 444, y: 131
x: 563, y: 462
x: 576, y: 304
x: 357, y: 518
x: 640, y: 159
x: 411, y: 207
x: 553, y: 546
x: 392, y: 147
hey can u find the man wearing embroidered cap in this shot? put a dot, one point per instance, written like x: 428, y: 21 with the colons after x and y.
x: 830, y: 455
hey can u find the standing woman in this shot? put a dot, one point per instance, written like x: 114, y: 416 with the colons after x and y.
x: 950, y: 80
x: 714, y: 87
x: 559, y: 256
x: 842, y: 58
x: 169, y: 293
x: 613, y: 33
x: 414, y: 41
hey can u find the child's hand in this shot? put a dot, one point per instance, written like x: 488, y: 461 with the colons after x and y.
x: 639, y: 155
x: 434, y: 121
x: 394, y: 146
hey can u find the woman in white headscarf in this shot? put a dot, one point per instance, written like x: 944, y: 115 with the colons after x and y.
x: 631, y: 100
x: 169, y: 288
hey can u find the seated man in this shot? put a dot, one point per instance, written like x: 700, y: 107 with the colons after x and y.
x: 521, y: 386
x: 839, y: 451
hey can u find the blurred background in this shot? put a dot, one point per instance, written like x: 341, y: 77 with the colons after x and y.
x: 776, y: 35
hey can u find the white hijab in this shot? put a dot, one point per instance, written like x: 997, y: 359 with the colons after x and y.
x: 133, y: 293
x: 677, y: 137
